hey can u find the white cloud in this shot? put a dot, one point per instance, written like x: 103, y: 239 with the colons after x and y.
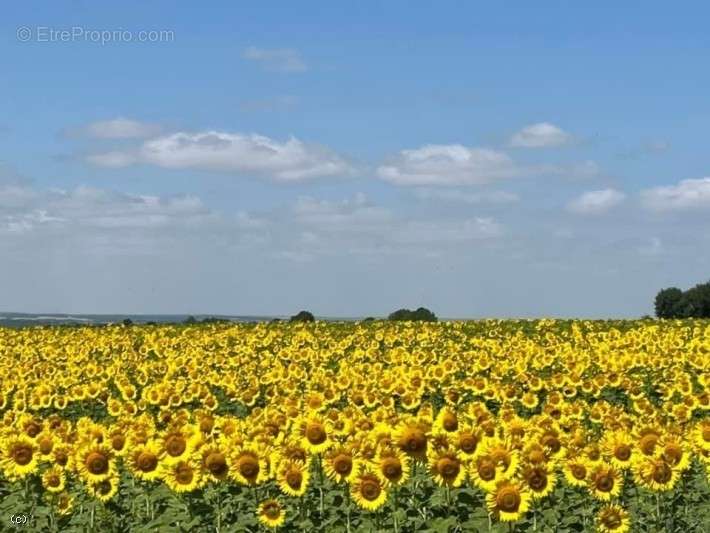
x: 453, y: 164
x: 459, y: 196
x: 442, y: 232
x: 356, y: 214
x: 356, y: 226
x: 291, y: 160
x: 276, y: 59
x: 92, y: 208
x: 686, y: 195
x: 540, y: 135
x: 596, y: 202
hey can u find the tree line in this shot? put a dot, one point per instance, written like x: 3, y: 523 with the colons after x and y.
x: 675, y: 303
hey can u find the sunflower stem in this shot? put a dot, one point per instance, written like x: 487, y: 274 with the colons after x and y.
x: 320, y: 485
x: 347, y: 509
x: 219, y: 511
x: 394, y: 513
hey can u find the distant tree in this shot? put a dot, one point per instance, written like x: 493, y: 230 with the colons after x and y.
x: 695, y: 302
x: 422, y: 314
x: 127, y: 322
x: 303, y: 316
x: 368, y: 319
x: 667, y: 303
x: 190, y: 320
x: 400, y: 314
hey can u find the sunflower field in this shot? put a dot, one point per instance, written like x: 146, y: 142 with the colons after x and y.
x: 365, y: 426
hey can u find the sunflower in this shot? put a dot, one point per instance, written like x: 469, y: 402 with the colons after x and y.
x: 550, y: 439
x: 700, y: 435
x: 248, y: 466
x: 177, y: 444
x: 613, y: 519
x: 617, y: 447
x: 529, y: 400
x: 214, y: 462
x: 467, y: 440
x: 503, y: 454
x: 104, y: 489
x: 182, y: 476
x: 45, y: 443
x: 604, y: 482
x: 484, y: 472
x: 540, y: 479
x: 576, y: 471
x: 292, y: 477
x: 62, y: 455
x: 446, y: 421
x: 18, y: 456
x: 647, y: 439
x: 446, y: 467
x: 535, y: 453
x: 508, y: 501
x: 271, y: 514
x: 143, y: 460
x: 118, y: 441
x: 94, y: 462
x: 411, y: 437
x: 54, y: 479
x: 340, y: 463
x: 655, y: 474
x: 313, y: 430
x: 674, y: 451
x: 367, y: 490
x: 64, y: 503
x: 293, y: 451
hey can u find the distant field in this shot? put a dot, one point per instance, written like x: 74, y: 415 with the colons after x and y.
x: 372, y: 426
x: 46, y: 319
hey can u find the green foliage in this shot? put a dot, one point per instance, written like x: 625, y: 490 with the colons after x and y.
x: 422, y: 314
x: 693, y: 303
x: 303, y: 316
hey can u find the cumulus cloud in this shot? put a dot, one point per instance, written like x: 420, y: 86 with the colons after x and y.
x: 117, y: 128
x: 26, y: 209
x: 540, y: 135
x: 355, y: 214
x: 430, y: 232
x: 276, y: 59
x: 453, y: 164
x: 459, y: 196
x: 596, y: 202
x: 356, y: 226
x: 239, y: 153
x: 686, y: 195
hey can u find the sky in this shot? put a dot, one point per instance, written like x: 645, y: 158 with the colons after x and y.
x: 545, y: 159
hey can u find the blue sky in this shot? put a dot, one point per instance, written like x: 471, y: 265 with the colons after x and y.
x: 480, y: 159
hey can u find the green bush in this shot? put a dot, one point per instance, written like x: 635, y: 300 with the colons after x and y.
x: 693, y: 303
x: 303, y: 316
x: 420, y: 315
